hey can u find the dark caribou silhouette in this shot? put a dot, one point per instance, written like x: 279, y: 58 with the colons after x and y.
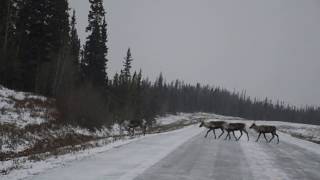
x: 133, y: 124
x: 232, y: 127
x: 263, y: 129
x: 212, y: 125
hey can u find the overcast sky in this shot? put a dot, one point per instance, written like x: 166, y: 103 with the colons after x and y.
x: 268, y: 48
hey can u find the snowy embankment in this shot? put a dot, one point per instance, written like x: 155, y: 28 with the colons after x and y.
x: 23, y: 109
x: 191, y: 118
x: 28, y: 124
x: 29, y: 131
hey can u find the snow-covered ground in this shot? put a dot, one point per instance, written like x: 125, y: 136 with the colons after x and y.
x: 191, y: 117
x: 27, y: 119
x: 23, y: 109
x: 26, y: 167
x: 183, y: 154
x: 169, y: 118
x: 13, y: 141
x: 122, y: 159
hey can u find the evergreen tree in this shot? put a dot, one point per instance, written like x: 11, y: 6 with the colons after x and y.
x: 4, y: 23
x: 127, y: 65
x: 75, y: 45
x: 10, y: 65
x: 61, y: 58
x: 42, y: 29
x: 126, y: 89
x: 137, y: 102
x: 95, y: 50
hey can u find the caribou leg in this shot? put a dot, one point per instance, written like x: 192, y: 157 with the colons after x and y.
x: 221, y: 133
x: 130, y: 131
x: 207, y: 133
x: 264, y: 134
x: 258, y: 137
x: 214, y: 132
x: 246, y: 133
x: 271, y: 138
x: 234, y: 135
x: 144, y: 129
x: 227, y: 135
x: 240, y: 135
x: 277, y: 137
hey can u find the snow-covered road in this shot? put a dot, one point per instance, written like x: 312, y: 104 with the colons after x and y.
x: 207, y: 159
x: 185, y: 155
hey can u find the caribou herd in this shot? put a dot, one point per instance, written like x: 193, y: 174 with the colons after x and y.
x: 212, y: 126
x: 241, y: 127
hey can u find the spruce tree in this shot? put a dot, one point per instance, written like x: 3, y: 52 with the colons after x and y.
x: 61, y: 59
x: 42, y: 30
x: 95, y: 49
x: 127, y: 65
x: 32, y: 35
x: 4, y: 23
x: 125, y: 91
x: 75, y: 45
x: 8, y: 60
x: 75, y: 41
x: 137, y: 101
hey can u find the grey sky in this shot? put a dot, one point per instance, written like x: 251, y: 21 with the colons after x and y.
x: 268, y: 48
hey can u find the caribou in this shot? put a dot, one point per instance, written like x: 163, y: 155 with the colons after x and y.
x: 263, y: 129
x: 132, y: 125
x: 212, y: 125
x: 231, y: 127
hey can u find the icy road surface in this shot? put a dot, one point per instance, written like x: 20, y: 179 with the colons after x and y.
x: 186, y: 155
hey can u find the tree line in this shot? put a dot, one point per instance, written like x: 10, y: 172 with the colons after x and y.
x: 40, y: 52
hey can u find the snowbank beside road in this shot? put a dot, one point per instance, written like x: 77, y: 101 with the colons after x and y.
x: 191, y: 117
x: 27, y: 126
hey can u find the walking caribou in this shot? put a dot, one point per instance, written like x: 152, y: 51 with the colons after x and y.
x: 263, y: 129
x: 132, y: 125
x: 231, y: 127
x: 212, y: 125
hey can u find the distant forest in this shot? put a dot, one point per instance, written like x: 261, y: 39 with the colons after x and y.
x: 40, y: 52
